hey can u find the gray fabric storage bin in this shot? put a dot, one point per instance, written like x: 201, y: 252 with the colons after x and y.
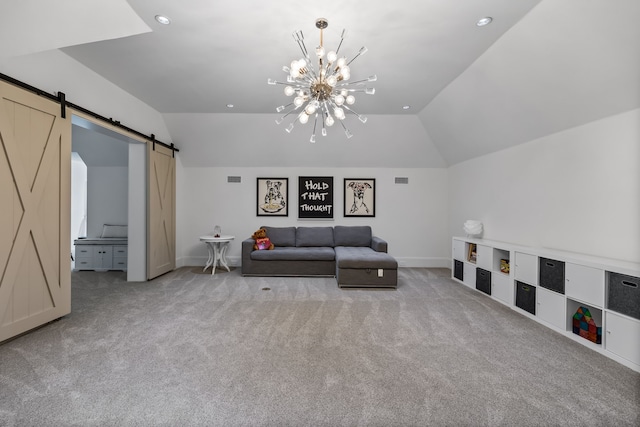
x: 458, y: 269
x: 551, y: 274
x: 483, y: 281
x: 526, y: 297
x: 623, y: 294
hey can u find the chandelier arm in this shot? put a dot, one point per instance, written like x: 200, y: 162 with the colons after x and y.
x: 275, y: 82
x: 350, y: 110
x: 346, y: 131
x: 357, y: 82
x: 362, y: 51
x: 288, y: 112
x: 315, y: 123
x: 344, y: 32
x: 298, y: 36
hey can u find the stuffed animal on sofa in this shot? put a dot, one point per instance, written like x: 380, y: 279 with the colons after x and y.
x: 262, y: 241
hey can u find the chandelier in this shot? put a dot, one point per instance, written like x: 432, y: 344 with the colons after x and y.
x: 321, y: 93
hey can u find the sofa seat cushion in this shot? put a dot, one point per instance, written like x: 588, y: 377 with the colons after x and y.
x: 314, y: 236
x: 285, y: 253
x: 361, y: 257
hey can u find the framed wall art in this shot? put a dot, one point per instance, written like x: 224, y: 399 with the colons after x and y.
x: 315, y: 197
x: 273, y: 197
x: 359, y: 197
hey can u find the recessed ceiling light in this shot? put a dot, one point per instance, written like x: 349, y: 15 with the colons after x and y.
x: 484, y: 21
x: 229, y: 105
x: 406, y: 107
x: 163, y: 20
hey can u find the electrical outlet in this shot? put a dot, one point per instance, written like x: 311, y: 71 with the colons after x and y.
x: 380, y: 272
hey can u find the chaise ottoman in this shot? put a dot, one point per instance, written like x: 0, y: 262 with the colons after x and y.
x: 362, y: 267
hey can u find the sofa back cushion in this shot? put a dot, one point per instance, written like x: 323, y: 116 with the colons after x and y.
x: 281, y: 236
x: 314, y: 236
x: 357, y: 235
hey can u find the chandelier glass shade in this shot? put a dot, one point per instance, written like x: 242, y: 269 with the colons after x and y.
x: 321, y: 88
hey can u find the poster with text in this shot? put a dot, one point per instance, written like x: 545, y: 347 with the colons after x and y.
x: 315, y: 197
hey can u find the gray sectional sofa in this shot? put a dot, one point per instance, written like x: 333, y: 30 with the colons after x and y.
x: 350, y: 253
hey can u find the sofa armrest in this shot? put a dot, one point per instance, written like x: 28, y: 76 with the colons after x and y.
x: 378, y: 245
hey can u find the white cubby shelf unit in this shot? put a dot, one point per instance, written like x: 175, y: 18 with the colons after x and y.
x: 549, y: 286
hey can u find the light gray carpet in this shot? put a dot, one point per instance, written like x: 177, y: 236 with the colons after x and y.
x: 191, y: 349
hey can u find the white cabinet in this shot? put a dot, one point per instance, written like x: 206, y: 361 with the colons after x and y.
x: 84, y: 257
x: 119, y: 258
x: 587, y: 286
x: 91, y: 256
x: 584, y: 284
x: 527, y: 268
x: 102, y: 257
x: 622, y: 335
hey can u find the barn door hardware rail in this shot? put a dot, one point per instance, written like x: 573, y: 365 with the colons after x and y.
x: 61, y: 99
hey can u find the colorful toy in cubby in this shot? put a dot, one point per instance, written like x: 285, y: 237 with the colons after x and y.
x: 585, y: 326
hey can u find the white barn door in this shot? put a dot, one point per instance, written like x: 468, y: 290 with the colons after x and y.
x: 35, y: 169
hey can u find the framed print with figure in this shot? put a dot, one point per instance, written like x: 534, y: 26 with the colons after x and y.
x: 359, y: 197
x: 273, y: 197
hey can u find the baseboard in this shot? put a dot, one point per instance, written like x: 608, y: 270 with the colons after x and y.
x: 430, y: 262
x: 415, y: 262
x: 202, y: 260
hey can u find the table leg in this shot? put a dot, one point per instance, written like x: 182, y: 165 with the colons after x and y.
x: 216, y: 251
x: 223, y: 255
x: 210, y: 259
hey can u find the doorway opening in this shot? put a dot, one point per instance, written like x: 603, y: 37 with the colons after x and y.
x: 114, y: 195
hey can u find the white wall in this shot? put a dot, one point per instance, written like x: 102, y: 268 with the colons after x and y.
x: 107, y: 197
x: 137, y: 213
x: 78, y: 199
x: 53, y: 72
x: 412, y: 218
x: 577, y: 190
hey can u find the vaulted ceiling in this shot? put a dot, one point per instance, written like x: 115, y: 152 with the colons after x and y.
x: 540, y: 67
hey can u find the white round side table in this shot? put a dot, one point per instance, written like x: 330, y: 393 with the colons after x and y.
x: 217, y: 247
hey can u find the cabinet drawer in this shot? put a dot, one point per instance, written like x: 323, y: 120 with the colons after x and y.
x: 621, y: 337
x: 585, y: 284
x: 119, y: 263
x: 527, y: 268
x: 119, y: 251
x: 84, y: 251
x: 84, y: 263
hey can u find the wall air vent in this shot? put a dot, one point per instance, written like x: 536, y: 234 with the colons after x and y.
x: 402, y: 180
x: 234, y: 179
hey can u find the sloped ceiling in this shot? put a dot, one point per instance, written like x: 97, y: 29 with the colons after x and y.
x: 565, y: 64
x: 30, y: 26
x: 539, y: 68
